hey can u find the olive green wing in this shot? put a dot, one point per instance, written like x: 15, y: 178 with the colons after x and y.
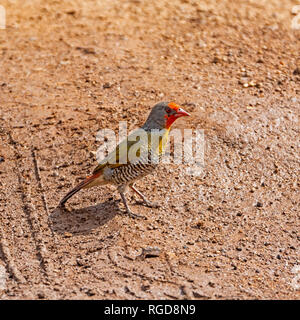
x: 119, y: 156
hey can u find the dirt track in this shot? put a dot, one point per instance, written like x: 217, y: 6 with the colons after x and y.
x: 69, y: 69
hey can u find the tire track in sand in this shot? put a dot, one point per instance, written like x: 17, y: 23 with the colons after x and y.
x: 35, y: 231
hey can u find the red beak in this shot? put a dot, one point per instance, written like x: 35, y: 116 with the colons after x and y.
x: 182, y: 113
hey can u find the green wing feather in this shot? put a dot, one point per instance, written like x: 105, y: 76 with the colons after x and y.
x: 119, y: 156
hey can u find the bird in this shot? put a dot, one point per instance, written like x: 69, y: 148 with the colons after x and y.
x: 135, y: 157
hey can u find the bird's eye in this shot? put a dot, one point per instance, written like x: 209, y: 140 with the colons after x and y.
x: 168, y: 110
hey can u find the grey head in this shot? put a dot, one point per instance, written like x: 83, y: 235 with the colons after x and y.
x: 162, y: 115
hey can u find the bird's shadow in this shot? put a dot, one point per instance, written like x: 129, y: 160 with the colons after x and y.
x: 83, y: 220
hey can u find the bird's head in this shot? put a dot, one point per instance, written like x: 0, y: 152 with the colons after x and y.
x: 163, y: 115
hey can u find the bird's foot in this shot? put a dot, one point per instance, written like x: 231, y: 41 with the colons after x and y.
x: 134, y: 215
x: 153, y: 204
x: 149, y: 204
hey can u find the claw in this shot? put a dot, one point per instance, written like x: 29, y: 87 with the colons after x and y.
x: 153, y: 204
x: 145, y: 200
x: 149, y: 204
x: 129, y: 212
x: 135, y: 216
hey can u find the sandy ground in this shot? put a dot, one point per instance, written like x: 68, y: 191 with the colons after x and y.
x: 71, y: 68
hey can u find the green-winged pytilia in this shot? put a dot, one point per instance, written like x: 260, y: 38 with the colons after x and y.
x: 136, y: 156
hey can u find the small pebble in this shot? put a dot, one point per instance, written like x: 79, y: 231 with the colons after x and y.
x: 106, y: 85
x: 149, y: 252
x: 259, y: 204
x: 68, y: 234
x: 41, y: 295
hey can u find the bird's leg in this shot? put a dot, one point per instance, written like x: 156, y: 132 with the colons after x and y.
x: 146, y: 201
x: 129, y: 212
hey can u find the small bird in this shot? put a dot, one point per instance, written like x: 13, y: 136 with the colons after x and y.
x: 136, y: 156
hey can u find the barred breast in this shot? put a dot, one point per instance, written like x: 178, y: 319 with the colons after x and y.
x: 130, y: 172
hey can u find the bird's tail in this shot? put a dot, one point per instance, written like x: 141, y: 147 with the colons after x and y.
x: 86, y: 183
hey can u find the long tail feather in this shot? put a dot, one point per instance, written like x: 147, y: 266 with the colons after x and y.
x: 81, y: 185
